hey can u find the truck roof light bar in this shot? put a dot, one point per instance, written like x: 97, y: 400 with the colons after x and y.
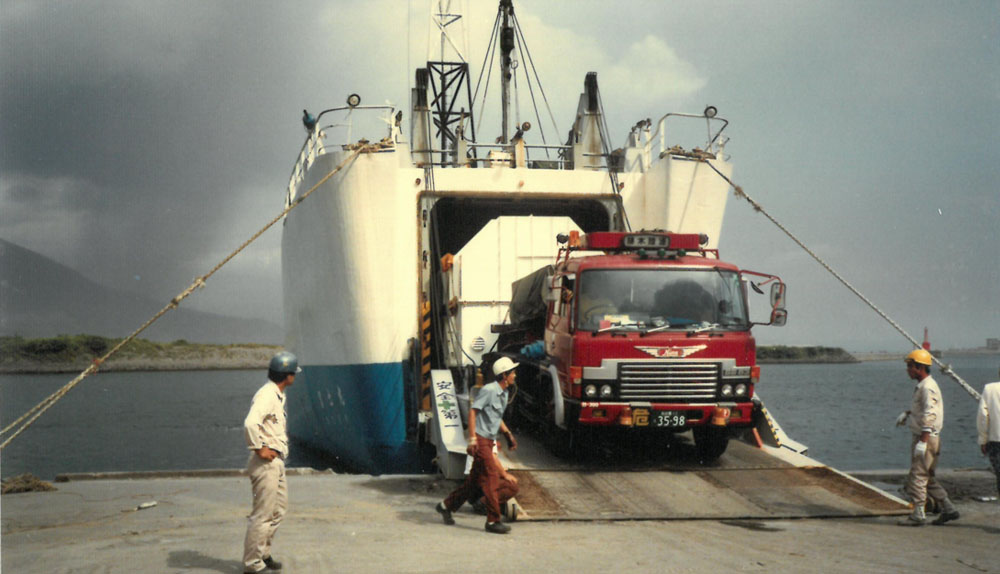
x: 646, y: 241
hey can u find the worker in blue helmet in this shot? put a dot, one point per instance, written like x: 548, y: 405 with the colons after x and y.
x: 267, y: 440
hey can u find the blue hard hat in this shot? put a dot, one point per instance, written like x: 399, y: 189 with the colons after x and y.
x: 284, y: 362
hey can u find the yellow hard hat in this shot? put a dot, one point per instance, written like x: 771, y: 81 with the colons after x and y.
x: 920, y: 356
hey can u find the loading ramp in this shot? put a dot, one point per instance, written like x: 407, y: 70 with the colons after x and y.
x: 748, y: 482
x: 665, y: 481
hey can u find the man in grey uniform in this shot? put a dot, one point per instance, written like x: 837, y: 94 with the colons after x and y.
x: 925, y: 420
x: 267, y: 439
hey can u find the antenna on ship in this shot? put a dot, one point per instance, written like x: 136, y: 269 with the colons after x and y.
x: 443, y: 99
x: 447, y: 79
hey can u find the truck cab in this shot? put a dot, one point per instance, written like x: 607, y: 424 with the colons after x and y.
x: 649, y: 332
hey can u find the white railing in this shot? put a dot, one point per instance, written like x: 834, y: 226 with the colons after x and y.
x: 315, y: 145
x: 562, y: 157
x: 660, y: 133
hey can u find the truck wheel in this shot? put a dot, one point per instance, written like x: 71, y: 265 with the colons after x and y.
x: 710, y: 442
x: 559, y: 441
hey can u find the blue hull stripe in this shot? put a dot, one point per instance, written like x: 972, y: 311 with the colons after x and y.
x: 356, y: 414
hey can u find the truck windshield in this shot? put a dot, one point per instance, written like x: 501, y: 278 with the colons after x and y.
x: 660, y: 299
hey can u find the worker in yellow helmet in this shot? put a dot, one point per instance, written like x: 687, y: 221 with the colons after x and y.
x: 925, y: 420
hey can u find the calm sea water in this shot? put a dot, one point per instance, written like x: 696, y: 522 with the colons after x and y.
x: 846, y: 414
x: 193, y: 420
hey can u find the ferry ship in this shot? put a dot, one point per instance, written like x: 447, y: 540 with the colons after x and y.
x: 400, y: 258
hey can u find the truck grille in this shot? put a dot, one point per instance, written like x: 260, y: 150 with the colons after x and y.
x: 669, y: 381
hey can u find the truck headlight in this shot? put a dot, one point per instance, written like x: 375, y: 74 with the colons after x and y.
x: 606, y: 391
x: 727, y: 391
x: 741, y: 390
x: 590, y: 391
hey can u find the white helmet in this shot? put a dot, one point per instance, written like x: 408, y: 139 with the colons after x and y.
x: 502, y: 365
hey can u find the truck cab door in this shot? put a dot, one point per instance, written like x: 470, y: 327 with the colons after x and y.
x: 558, y: 329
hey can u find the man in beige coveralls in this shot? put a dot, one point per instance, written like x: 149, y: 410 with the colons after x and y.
x: 267, y: 439
x: 925, y: 420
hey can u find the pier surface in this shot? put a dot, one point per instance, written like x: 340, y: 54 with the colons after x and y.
x: 356, y: 523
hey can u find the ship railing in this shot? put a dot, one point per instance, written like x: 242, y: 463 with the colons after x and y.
x: 713, y: 145
x: 596, y: 167
x: 536, y: 156
x: 311, y: 148
x: 315, y: 144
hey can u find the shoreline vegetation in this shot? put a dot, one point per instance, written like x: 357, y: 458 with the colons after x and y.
x: 74, y: 353
x: 785, y: 354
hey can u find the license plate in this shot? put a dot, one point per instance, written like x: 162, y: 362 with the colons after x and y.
x: 669, y: 419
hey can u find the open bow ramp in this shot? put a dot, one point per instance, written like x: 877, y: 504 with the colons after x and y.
x: 747, y: 483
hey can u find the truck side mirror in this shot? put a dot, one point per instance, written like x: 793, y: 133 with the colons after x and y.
x: 779, y: 317
x: 778, y: 295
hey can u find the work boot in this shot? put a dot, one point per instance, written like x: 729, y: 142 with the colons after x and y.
x: 946, y: 517
x: 916, y: 518
x: 272, y: 564
x: 445, y: 513
x: 497, y: 527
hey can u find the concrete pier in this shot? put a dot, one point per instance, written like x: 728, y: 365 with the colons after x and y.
x: 352, y: 523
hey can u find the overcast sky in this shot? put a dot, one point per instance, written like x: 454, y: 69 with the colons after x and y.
x: 143, y: 141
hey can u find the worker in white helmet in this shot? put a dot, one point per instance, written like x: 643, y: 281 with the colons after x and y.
x: 487, y: 474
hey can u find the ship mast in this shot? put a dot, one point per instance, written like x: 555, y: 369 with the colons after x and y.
x: 443, y: 98
x: 506, y: 47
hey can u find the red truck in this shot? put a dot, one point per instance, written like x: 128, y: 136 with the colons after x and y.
x: 648, y: 332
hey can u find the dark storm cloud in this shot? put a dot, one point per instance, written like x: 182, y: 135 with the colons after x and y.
x: 141, y: 142
x: 147, y: 122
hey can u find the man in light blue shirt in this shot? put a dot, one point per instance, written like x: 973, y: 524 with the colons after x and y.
x: 485, y: 424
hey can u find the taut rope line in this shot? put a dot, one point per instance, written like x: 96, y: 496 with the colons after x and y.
x: 199, y: 282
x: 946, y: 369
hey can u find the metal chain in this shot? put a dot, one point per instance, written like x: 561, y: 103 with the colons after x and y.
x: 946, y: 369
x: 199, y: 282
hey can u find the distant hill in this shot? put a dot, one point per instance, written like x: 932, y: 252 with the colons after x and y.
x: 42, y: 298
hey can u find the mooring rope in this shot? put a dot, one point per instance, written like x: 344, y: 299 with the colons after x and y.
x: 198, y: 283
x: 946, y: 369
